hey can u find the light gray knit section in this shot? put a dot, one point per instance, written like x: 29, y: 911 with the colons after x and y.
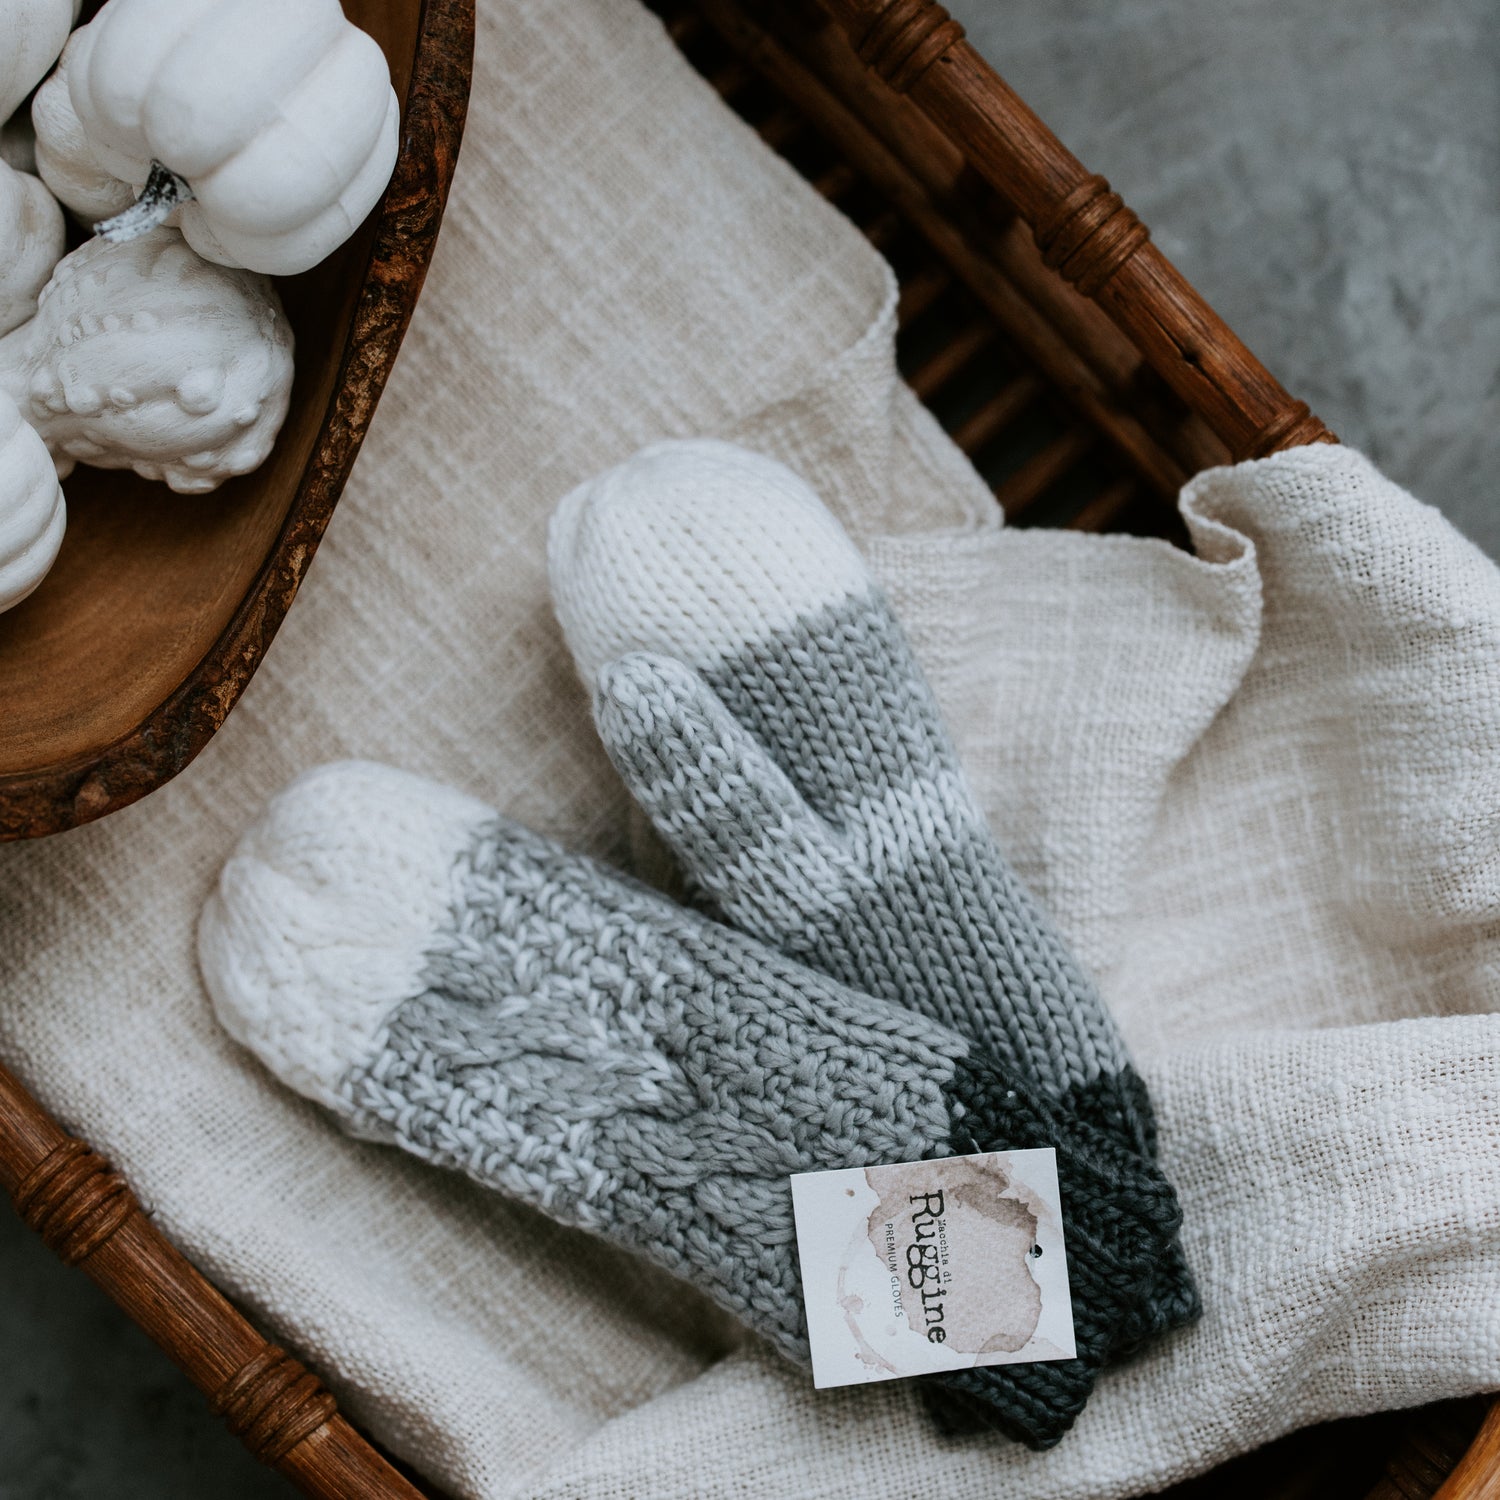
x: 811, y: 792
x: 634, y: 1069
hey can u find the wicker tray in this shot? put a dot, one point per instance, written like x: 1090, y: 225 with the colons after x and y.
x: 1086, y: 379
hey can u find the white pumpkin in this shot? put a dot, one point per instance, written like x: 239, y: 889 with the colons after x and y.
x: 32, y: 33
x: 144, y: 356
x: 31, y: 243
x: 64, y: 159
x: 32, y: 513
x: 277, y: 116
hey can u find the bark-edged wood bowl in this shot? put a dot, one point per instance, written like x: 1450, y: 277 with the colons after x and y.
x: 116, y: 672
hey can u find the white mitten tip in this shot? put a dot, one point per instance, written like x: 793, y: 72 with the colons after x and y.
x: 324, y: 915
x: 693, y: 549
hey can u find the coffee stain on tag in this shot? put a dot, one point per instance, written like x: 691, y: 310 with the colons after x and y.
x: 852, y: 1306
x: 962, y: 1251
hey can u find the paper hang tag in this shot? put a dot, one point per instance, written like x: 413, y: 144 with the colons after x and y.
x: 918, y: 1267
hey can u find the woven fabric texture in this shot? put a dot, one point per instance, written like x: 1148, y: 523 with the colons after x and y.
x: 1256, y: 790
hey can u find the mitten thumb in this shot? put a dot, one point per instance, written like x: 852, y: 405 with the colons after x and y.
x: 743, y: 834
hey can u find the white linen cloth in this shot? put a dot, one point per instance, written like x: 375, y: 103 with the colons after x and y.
x: 1258, y: 788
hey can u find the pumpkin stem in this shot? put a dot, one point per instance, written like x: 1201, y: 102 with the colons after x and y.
x: 163, y: 193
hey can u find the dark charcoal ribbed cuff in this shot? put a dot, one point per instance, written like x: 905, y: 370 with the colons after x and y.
x: 1120, y: 1218
x: 1120, y: 1106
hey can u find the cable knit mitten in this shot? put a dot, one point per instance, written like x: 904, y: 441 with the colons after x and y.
x: 443, y: 980
x: 764, y: 707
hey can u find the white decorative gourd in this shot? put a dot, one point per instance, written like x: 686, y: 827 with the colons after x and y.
x: 31, y: 242
x: 32, y: 513
x: 144, y: 356
x: 64, y: 159
x: 32, y: 33
x: 267, y: 128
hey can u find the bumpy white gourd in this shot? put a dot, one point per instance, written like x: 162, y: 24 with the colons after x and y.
x: 277, y: 115
x: 31, y: 242
x: 144, y: 356
x: 64, y: 159
x: 32, y: 33
x: 32, y: 513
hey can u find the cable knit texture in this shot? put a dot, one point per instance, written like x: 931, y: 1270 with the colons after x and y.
x: 627, y: 1066
x: 763, y: 705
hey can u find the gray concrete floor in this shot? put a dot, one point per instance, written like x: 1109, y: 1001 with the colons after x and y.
x: 89, y: 1409
x: 1328, y: 173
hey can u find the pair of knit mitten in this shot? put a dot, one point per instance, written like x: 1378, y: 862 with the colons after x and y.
x: 869, y: 984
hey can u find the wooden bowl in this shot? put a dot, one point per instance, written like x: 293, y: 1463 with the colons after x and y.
x: 133, y: 650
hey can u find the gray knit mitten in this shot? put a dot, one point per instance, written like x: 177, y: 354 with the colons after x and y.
x: 764, y: 707
x: 444, y: 980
